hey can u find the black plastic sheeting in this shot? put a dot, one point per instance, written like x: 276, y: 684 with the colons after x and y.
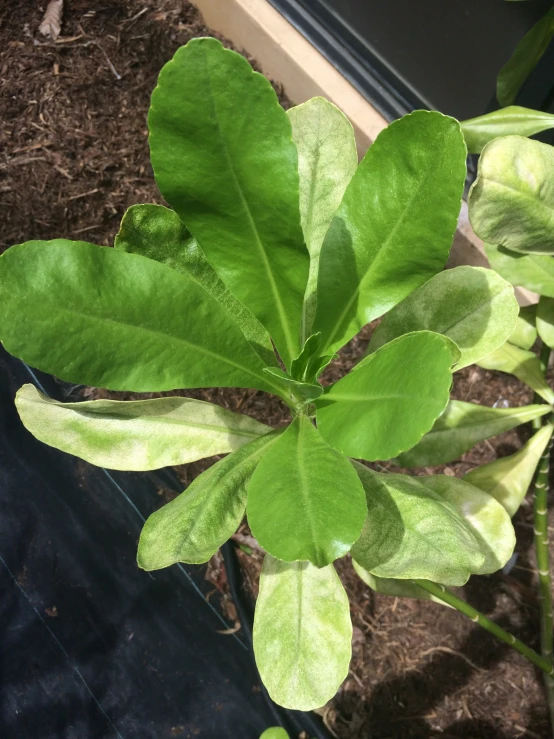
x: 91, y: 647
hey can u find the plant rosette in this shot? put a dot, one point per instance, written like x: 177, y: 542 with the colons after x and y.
x: 277, y: 248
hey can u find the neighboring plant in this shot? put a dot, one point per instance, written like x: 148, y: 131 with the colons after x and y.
x: 275, y: 231
x: 510, y: 205
x: 525, y: 58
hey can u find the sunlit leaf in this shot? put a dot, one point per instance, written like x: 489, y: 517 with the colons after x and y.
x: 526, y: 366
x: 460, y: 427
x: 525, y: 58
x: 100, y: 317
x: 511, y: 203
x: 524, y: 334
x: 473, y: 306
x: 508, y: 479
x: 158, y: 233
x: 193, y: 526
x: 411, y: 532
x: 504, y: 122
x: 394, y: 227
x: 136, y: 434
x: 302, y: 633
x: 305, y: 502
x: 485, y: 516
x: 393, y: 398
x: 327, y: 160
x: 532, y: 271
x: 224, y: 159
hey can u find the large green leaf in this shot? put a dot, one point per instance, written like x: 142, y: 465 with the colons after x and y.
x: 305, y: 501
x: 394, y: 227
x: 388, y: 403
x: 411, y: 532
x: 158, y: 233
x: 193, y: 526
x: 485, y: 516
x: 508, y: 479
x: 525, y: 58
x: 224, y: 159
x: 505, y: 122
x: 511, y: 203
x: 473, y: 306
x: 524, y: 334
x: 533, y: 271
x: 460, y: 427
x: 101, y: 317
x: 526, y: 366
x: 327, y: 160
x: 545, y: 320
x: 136, y: 434
x: 395, y: 588
x: 302, y: 633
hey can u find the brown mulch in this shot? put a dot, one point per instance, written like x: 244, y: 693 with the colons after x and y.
x: 73, y: 142
x: 73, y: 157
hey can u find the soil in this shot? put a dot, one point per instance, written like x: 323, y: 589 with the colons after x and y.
x: 73, y: 157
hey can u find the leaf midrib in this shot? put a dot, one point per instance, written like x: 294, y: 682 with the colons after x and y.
x: 374, y: 264
x: 499, y: 419
x: 467, y: 317
x: 304, y: 329
x: 143, y: 329
x: 483, y: 306
x: 528, y: 196
x: 296, y: 672
x: 436, y: 498
x: 92, y: 415
x: 251, y: 222
x: 304, y: 486
x: 200, y: 490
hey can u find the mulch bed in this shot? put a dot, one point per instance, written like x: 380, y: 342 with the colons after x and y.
x: 73, y: 157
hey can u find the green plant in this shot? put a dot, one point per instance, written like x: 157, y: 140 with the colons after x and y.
x: 275, y: 231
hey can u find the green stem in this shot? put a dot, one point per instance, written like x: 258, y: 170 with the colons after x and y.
x: 540, y: 507
x: 540, y: 510
x: 439, y: 591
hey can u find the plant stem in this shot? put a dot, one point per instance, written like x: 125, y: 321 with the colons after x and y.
x: 540, y: 509
x: 439, y: 591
